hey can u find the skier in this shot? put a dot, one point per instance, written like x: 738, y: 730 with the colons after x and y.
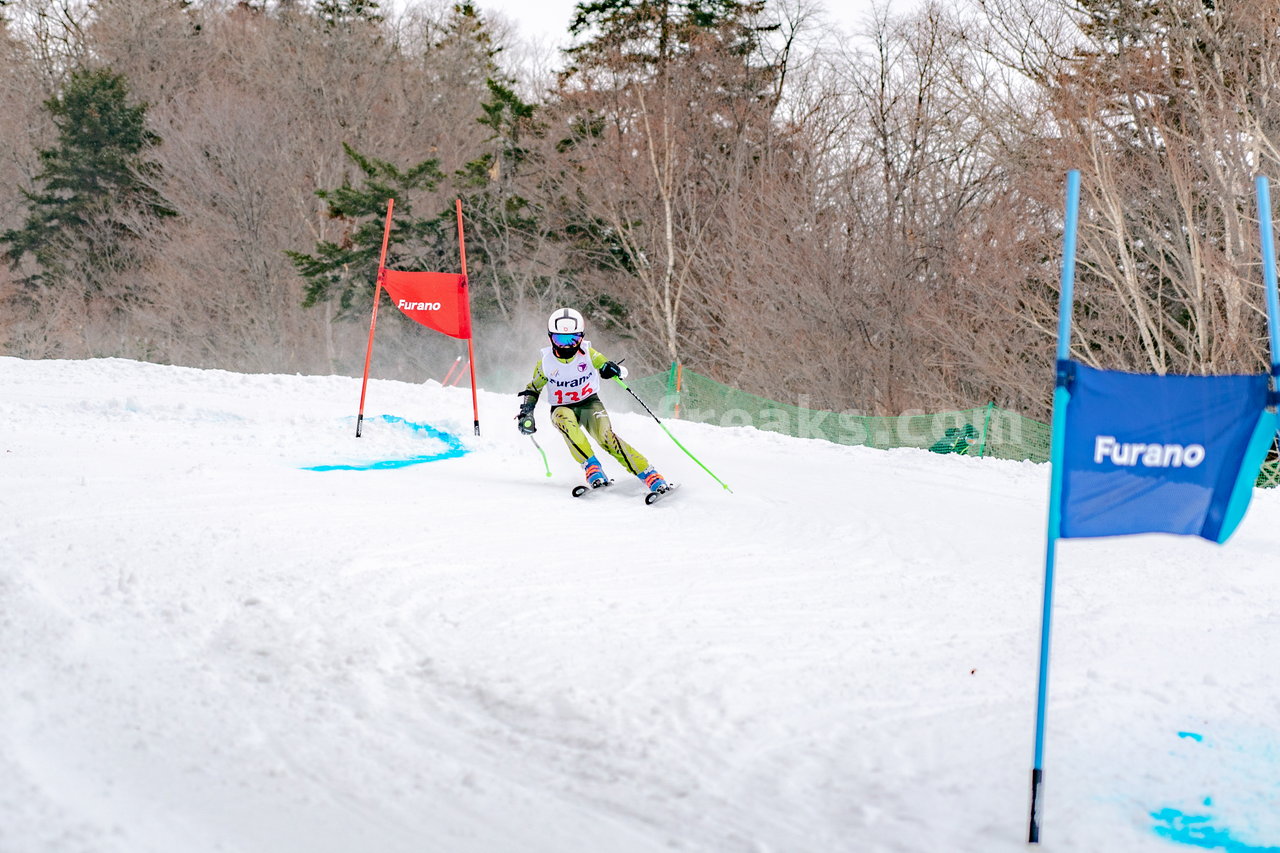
x: 572, y: 373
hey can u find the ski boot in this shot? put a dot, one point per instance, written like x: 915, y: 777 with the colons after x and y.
x: 652, y: 480
x: 595, y: 474
x: 656, y: 485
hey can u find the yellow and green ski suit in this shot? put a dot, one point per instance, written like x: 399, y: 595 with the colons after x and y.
x: 576, y: 409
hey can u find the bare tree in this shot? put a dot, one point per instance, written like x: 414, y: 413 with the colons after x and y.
x: 1168, y: 110
x: 658, y: 123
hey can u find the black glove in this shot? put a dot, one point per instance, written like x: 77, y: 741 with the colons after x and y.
x: 610, y: 369
x: 524, y: 417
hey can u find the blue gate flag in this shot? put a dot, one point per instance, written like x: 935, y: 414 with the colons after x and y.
x: 1160, y: 454
x: 1137, y: 453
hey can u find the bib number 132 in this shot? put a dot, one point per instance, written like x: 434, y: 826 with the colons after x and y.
x: 563, y: 397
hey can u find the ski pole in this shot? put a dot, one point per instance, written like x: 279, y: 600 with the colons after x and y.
x: 544, y: 454
x: 672, y: 437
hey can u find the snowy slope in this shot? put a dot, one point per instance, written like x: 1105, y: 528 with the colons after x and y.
x: 204, y: 646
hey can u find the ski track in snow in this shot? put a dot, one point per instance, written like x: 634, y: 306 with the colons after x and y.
x: 205, y: 647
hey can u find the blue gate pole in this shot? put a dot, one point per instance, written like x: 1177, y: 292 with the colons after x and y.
x: 1269, y: 268
x: 1061, y: 396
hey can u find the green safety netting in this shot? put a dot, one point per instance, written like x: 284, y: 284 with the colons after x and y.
x: 987, y: 431
x: 1269, y: 476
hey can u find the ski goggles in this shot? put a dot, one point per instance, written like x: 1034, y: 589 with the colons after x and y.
x: 565, y: 340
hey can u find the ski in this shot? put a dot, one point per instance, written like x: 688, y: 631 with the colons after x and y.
x: 653, y: 497
x: 580, y: 490
x: 650, y: 498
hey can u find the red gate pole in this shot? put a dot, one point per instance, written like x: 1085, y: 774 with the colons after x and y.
x: 471, y: 353
x: 456, y: 363
x: 373, y: 322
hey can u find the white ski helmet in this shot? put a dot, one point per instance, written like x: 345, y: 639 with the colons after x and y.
x: 565, y: 328
x: 566, y: 321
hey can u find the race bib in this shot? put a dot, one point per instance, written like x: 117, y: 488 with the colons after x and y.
x: 573, y: 382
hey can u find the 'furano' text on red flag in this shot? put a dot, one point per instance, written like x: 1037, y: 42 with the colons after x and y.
x: 437, y: 300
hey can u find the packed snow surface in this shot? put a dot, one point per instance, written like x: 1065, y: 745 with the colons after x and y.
x: 227, y: 624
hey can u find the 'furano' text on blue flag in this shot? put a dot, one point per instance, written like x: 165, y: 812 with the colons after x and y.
x: 1161, y: 454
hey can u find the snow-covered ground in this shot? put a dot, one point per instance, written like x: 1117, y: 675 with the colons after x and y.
x: 204, y: 645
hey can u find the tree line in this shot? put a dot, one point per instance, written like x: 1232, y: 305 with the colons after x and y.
x: 870, y: 223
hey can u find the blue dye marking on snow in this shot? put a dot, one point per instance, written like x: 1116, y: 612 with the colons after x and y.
x: 453, y: 449
x: 1195, y: 737
x: 1196, y: 831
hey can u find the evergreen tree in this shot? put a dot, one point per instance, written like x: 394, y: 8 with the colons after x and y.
x: 468, y: 44
x: 506, y: 230
x: 504, y: 234
x: 668, y: 107
x: 639, y: 38
x: 344, y: 270
x: 95, y: 189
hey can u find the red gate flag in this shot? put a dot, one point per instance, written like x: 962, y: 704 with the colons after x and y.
x: 437, y: 300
